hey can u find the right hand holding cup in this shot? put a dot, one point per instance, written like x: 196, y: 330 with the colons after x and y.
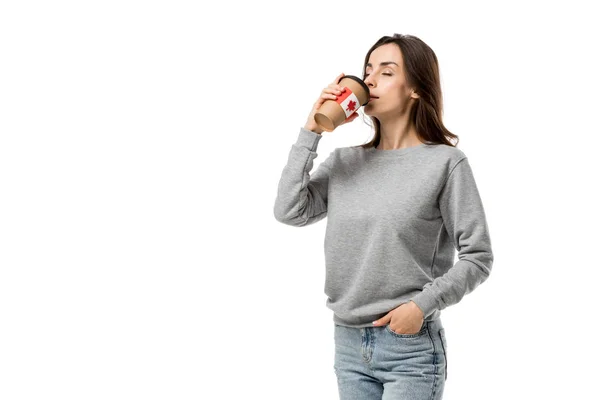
x: 329, y: 93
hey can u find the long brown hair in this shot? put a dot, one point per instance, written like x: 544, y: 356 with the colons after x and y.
x: 422, y: 73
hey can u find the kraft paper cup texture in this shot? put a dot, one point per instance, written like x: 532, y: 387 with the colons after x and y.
x: 333, y: 112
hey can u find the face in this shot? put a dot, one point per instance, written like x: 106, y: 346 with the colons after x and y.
x: 386, y: 81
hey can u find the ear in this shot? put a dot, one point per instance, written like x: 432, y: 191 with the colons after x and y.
x: 414, y: 95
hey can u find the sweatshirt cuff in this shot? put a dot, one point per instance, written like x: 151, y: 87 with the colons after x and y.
x: 426, y: 302
x: 308, y: 139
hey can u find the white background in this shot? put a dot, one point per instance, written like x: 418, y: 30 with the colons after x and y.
x: 141, y: 148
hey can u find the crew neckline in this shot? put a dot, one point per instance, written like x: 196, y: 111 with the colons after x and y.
x: 395, y: 152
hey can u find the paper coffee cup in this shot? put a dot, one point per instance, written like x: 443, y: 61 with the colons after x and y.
x: 333, y: 112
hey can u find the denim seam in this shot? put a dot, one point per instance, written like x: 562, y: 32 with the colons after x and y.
x: 421, y: 332
x: 445, y: 355
x: 373, y: 344
x: 434, y: 365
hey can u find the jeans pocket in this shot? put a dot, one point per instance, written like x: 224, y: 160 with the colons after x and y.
x: 444, y: 347
x: 421, y: 332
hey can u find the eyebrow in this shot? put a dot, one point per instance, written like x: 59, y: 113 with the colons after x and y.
x: 383, y: 63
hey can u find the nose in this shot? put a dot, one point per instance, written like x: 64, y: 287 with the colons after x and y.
x: 368, y: 81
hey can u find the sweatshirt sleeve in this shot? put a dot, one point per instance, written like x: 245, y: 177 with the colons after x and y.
x: 302, y: 198
x: 464, y: 218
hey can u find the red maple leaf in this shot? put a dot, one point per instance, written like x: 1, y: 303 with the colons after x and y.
x: 351, y: 106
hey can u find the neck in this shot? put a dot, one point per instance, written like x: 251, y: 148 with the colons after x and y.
x: 397, y: 134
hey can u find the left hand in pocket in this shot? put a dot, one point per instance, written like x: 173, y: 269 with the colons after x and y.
x: 406, y: 319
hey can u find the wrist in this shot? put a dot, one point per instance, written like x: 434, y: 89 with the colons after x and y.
x: 417, y: 308
x: 314, y: 129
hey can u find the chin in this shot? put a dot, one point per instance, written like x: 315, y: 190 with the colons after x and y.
x: 369, y: 113
x: 368, y: 110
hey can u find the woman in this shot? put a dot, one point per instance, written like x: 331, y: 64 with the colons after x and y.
x: 397, y: 209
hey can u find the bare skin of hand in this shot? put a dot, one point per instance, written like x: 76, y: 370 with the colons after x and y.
x: 406, y: 319
x: 331, y: 92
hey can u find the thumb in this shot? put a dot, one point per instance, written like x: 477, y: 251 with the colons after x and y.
x: 384, y: 320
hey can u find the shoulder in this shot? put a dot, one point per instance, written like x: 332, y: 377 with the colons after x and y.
x: 444, y: 156
x: 349, y: 154
x: 445, y: 151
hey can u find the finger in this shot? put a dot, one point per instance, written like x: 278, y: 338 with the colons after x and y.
x: 332, y: 91
x: 328, y: 96
x: 334, y: 86
x: 383, y: 321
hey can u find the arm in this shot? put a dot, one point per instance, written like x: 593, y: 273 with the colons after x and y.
x: 302, y: 199
x: 464, y: 218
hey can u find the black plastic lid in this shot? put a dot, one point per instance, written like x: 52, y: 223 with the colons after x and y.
x: 363, y: 84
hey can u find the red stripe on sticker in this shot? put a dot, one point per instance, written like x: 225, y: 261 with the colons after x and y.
x: 343, y: 96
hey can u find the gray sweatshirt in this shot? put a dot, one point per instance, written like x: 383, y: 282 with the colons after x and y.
x: 395, y: 219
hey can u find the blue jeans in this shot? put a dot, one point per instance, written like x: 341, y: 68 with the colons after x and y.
x: 378, y: 363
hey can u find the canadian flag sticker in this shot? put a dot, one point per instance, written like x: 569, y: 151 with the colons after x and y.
x: 348, y: 101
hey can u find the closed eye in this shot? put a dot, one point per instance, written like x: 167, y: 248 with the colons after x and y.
x: 381, y: 74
